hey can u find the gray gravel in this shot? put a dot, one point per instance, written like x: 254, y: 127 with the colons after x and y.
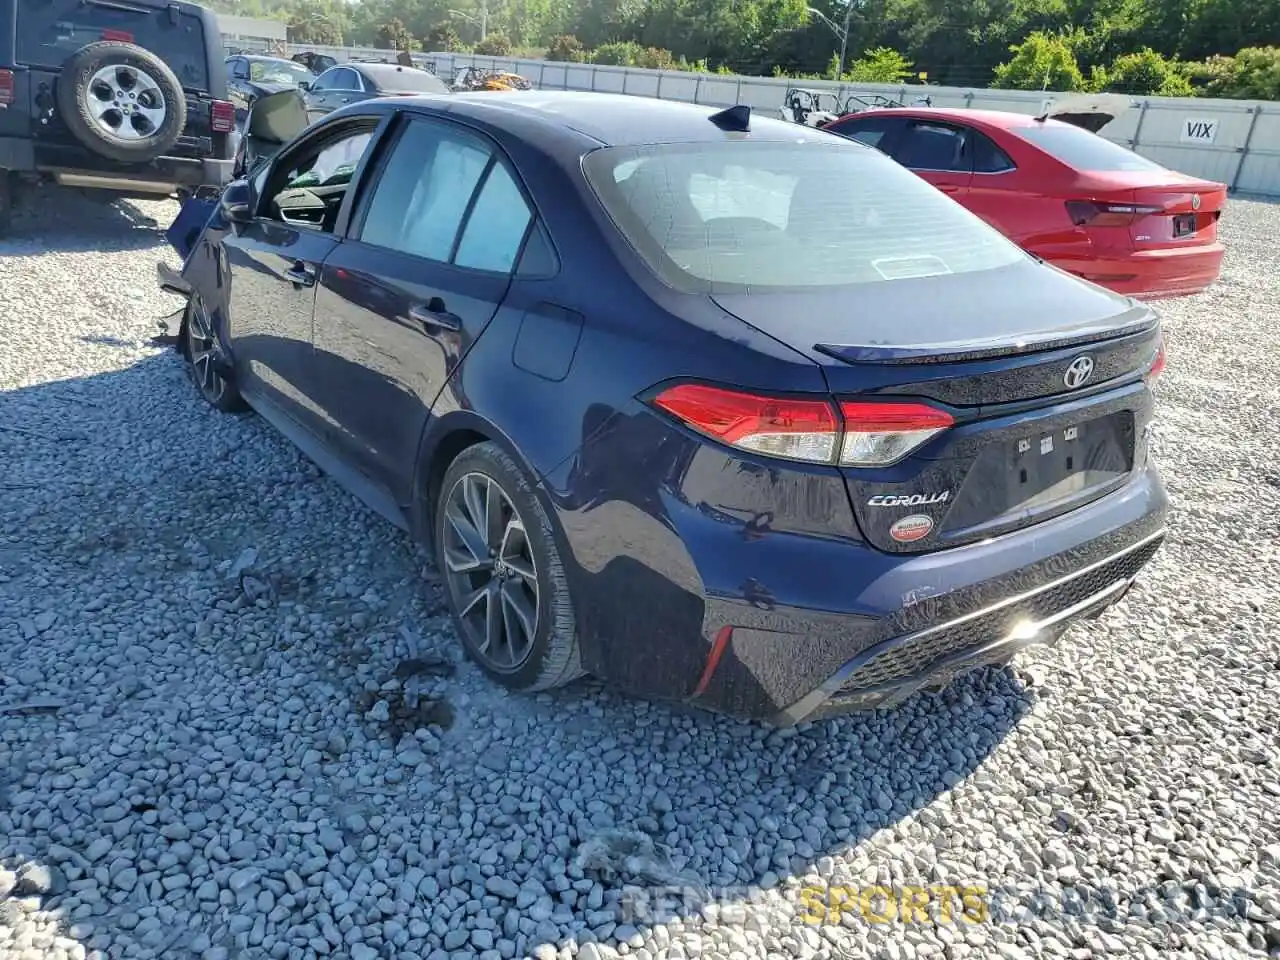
x: 233, y: 722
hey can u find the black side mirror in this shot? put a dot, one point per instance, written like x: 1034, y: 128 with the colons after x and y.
x: 237, y: 202
x: 304, y: 85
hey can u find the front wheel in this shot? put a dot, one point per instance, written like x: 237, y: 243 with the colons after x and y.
x: 502, y: 573
x: 200, y: 346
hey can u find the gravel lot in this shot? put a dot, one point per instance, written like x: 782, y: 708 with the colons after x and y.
x: 233, y: 722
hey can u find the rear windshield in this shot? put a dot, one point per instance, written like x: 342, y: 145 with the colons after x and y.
x: 1082, y: 150
x: 279, y: 71
x: 742, y: 216
x: 48, y: 33
x: 407, y: 80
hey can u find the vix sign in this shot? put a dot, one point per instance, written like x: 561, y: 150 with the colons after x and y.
x: 1198, y: 130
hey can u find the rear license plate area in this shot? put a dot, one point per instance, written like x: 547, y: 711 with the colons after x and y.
x: 1051, y: 465
x: 1184, y: 224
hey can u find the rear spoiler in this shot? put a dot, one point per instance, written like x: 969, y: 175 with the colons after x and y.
x: 1089, y: 111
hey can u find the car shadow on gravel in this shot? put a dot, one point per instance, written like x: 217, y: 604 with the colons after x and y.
x: 607, y: 818
x: 65, y: 220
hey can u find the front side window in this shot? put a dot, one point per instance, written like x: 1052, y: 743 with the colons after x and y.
x: 307, y: 190
x: 753, y: 216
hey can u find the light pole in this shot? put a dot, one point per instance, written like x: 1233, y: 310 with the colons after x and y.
x: 840, y: 30
x: 481, y: 21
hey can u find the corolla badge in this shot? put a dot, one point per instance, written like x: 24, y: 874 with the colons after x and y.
x: 1078, y: 372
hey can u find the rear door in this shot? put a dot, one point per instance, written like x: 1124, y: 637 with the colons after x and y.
x: 939, y: 153
x: 426, y: 266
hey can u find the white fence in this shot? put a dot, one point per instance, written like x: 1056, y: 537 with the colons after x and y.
x: 1236, y: 142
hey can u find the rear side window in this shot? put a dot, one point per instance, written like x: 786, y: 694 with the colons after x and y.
x: 987, y: 157
x: 1082, y: 150
x: 755, y: 216
x: 419, y: 201
x: 48, y: 33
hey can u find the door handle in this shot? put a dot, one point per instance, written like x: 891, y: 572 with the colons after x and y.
x: 300, y: 275
x: 434, y: 315
x: 948, y: 188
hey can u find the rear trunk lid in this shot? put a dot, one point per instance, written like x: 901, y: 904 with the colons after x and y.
x: 1041, y: 375
x: 1142, y: 210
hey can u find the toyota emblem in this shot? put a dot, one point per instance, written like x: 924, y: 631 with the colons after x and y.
x: 1078, y: 372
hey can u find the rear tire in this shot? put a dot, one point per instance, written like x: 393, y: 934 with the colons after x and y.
x: 502, y: 573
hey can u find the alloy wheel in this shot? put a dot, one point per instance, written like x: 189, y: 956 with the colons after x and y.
x: 126, y: 102
x: 201, y: 349
x: 490, y: 571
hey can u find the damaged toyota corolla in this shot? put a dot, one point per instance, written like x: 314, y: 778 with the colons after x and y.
x: 669, y: 411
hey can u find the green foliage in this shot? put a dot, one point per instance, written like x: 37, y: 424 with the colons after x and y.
x: 443, y: 38
x: 631, y: 54
x: 1252, y: 74
x: 881, y: 65
x: 394, y: 35
x: 1041, y: 62
x: 495, y: 45
x: 566, y: 49
x: 1170, y: 47
x: 1146, y: 72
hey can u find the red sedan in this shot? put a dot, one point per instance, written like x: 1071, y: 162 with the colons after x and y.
x: 1062, y: 192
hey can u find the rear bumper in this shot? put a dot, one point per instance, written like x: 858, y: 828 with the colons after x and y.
x: 796, y: 627
x: 1152, y: 274
x: 892, y: 671
x: 161, y: 176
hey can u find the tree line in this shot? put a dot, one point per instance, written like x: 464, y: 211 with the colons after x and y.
x: 1219, y: 48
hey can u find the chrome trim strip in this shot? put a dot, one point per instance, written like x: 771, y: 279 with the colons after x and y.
x: 809, y: 703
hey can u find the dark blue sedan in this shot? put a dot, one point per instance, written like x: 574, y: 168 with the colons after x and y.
x: 710, y: 406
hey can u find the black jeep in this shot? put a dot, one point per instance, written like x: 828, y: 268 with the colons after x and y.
x: 121, y: 95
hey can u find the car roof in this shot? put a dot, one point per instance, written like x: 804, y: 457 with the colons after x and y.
x: 380, y: 69
x: 611, y: 119
x: 263, y: 58
x: 1004, y: 119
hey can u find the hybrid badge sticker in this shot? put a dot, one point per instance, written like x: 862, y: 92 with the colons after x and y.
x: 912, y: 528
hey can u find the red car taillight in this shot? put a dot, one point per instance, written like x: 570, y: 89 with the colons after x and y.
x: 222, y: 116
x: 857, y: 434
x: 6, y: 87
x: 1096, y: 213
x: 123, y: 36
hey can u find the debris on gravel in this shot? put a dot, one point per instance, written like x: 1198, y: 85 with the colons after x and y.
x: 234, y: 721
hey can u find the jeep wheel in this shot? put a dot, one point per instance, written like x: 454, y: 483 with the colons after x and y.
x: 121, y: 101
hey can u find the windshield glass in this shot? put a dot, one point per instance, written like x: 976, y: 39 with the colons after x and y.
x: 1082, y: 150
x: 278, y: 71
x: 408, y: 80
x: 741, y: 216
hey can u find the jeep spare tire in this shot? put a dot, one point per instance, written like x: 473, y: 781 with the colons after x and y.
x: 121, y: 101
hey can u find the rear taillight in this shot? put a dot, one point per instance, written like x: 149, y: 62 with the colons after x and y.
x: 6, y: 87
x: 222, y: 116
x: 861, y: 434
x: 123, y: 36
x: 1095, y: 213
x: 1157, y: 365
x: 879, y: 433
